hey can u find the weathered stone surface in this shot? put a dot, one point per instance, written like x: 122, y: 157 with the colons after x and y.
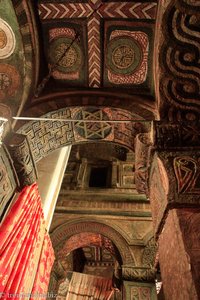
x: 158, y: 191
x: 177, y: 135
x: 176, y: 68
x: 23, y: 160
x: 179, y: 245
x: 8, y: 178
x: 138, y: 273
x: 139, y: 290
x: 174, y: 182
x: 142, y: 161
x: 69, y: 229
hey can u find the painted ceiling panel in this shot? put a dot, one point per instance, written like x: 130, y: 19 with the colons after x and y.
x: 100, y: 44
x: 18, y: 68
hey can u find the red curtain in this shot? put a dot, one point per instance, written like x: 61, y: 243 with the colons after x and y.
x: 21, y: 239
x: 84, y: 286
x: 40, y: 287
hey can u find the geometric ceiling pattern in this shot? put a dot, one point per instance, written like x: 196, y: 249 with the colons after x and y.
x: 46, y: 136
x: 99, y: 43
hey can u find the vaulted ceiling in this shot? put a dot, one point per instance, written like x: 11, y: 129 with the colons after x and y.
x: 99, y: 44
x: 73, y: 53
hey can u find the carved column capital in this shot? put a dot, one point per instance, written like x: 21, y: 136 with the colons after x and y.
x: 177, y: 135
x: 138, y: 273
x: 174, y: 182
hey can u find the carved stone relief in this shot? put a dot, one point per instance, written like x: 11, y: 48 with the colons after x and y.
x: 187, y: 170
x: 23, y: 161
x: 65, y: 231
x: 177, y: 135
x: 142, y: 161
x: 149, y: 254
x: 46, y: 136
x: 8, y: 179
x: 177, y: 67
x: 138, y: 273
x: 175, y: 184
x: 139, y: 290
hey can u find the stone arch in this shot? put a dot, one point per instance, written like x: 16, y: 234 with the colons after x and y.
x: 46, y: 136
x: 69, y: 229
x: 84, y: 239
x: 140, y: 105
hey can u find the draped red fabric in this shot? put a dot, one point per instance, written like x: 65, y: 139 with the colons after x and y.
x: 47, y: 257
x: 21, y: 238
x: 85, y: 287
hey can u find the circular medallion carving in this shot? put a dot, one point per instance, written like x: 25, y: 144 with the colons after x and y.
x: 7, y: 40
x: 66, y: 58
x: 9, y: 81
x: 69, y: 59
x: 3, y: 39
x: 92, y: 130
x: 124, y: 55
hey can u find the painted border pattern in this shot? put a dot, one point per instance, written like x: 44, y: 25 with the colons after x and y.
x: 94, y: 11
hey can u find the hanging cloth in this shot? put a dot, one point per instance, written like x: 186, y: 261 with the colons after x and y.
x: 21, y: 239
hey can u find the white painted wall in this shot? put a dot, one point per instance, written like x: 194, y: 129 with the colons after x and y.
x: 50, y: 175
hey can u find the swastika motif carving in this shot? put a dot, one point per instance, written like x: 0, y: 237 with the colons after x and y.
x: 46, y: 136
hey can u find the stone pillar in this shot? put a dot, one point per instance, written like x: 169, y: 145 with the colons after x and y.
x: 174, y: 189
x: 139, y: 283
x: 114, y: 174
x: 175, y: 172
x: 139, y: 290
x: 179, y: 252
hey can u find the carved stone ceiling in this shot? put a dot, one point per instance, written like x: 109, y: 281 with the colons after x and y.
x: 99, y: 44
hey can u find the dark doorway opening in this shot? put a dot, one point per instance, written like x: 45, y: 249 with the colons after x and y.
x: 98, y: 177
